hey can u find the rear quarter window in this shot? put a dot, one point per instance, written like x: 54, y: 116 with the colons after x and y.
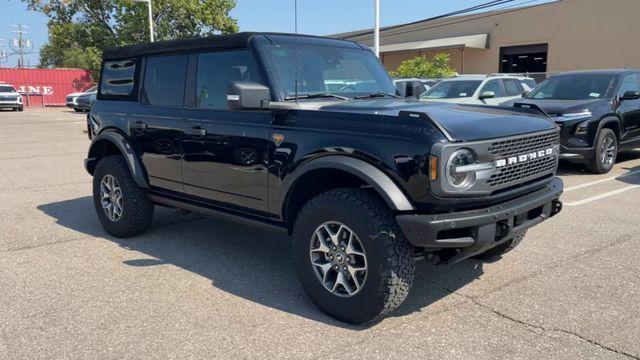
x: 118, y: 78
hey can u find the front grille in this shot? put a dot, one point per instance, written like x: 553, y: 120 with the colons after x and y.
x: 525, y: 144
x: 69, y: 98
x: 513, y: 174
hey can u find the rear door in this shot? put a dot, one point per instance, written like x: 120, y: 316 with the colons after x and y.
x: 156, y: 127
x: 225, y: 152
x: 513, y: 89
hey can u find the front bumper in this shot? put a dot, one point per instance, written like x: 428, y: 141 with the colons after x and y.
x: 577, y: 154
x: 7, y: 105
x: 475, y: 231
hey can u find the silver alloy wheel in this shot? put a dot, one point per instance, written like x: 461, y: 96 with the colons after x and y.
x: 338, y: 258
x: 608, y: 151
x: 111, y: 197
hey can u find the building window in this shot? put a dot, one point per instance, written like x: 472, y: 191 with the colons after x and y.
x: 524, y: 59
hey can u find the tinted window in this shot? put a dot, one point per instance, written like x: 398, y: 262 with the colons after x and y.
x: 531, y: 83
x: 164, y: 79
x: 574, y: 87
x: 321, y: 69
x: 449, y: 89
x: 216, y: 70
x: 118, y: 77
x: 493, y: 86
x: 512, y: 87
x: 630, y: 83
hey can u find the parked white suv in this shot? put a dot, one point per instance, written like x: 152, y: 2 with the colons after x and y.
x: 10, y: 98
x: 491, y: 89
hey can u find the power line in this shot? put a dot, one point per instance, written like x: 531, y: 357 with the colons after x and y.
x: 480, y: 16
x: 21, y: 45
x: 453, y: 13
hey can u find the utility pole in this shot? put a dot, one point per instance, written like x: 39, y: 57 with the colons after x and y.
x: 3, y: 54
x: 20, y: 45
x: 376, y: 29
x: 150, y: 17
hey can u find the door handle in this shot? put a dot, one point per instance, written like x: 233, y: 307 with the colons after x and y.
x: 137, y: 125
x: 196, y: 130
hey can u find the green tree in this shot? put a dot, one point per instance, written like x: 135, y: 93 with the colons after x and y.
x: 80, y: 29
x: 422, y: 67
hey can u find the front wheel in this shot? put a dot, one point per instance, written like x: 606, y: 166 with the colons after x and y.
x: 606, y: 152
x: 123, y: 208
x: 352, y: 258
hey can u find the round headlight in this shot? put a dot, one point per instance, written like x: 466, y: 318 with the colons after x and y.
x: 460, y: 180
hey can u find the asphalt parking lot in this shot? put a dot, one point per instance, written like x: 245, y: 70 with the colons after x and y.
x: 195, y: 287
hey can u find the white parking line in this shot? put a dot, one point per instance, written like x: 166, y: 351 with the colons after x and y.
x: 602, y: 196
x: 581, y: 186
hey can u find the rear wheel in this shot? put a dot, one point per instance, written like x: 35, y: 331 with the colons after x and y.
x: 606, y: 152
x: 352, y: 258
x: 123, y: 208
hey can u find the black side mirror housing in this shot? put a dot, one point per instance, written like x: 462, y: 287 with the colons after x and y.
x: 410, y: 88
x: 246, y: 95
x: 630, y: 95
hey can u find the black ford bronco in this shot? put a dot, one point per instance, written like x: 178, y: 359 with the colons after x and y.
x: 309, y: 135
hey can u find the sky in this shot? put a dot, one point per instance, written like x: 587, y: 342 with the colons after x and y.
x: 316, y: 17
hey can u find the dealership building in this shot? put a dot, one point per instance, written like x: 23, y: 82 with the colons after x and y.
x: 558, y: 36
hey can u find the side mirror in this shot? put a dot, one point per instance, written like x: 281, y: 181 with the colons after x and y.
x: 487, y: 95
x: 525, y: 93
x: 630, y: 95
x: 245, y: 95
x: 410, y: 88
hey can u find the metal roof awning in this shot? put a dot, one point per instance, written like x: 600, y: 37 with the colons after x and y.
x: 477, y: 41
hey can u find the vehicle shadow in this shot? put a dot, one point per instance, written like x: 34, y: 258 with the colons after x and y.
x: 252, y: 263
x: 569, y: 168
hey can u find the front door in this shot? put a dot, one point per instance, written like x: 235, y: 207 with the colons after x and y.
x: 157, y: 124
x: 629, y: 110
x: 225, y: 152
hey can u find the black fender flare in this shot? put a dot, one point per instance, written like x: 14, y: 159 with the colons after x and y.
x: 378, y: 180
x: 135, y: 165
x: 608, y: 120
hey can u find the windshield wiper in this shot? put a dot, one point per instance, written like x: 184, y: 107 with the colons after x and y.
x: 374, y: 95
x: 315, y: 96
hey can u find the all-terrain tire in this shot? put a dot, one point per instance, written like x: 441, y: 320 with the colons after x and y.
x: 598, y: 164
x: 137, y: 209
x: 502, y: 248
x: 391, y: 264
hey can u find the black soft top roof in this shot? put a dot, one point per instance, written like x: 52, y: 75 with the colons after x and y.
x: 217, y: 42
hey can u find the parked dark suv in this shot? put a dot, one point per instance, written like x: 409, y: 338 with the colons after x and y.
x: 598, y: 112
x: 364, y: 182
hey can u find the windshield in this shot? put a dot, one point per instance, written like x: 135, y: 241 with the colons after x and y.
x: 7, y: 88
x: 452, y: 89
x: 324, y: 69
x: 574, y: 87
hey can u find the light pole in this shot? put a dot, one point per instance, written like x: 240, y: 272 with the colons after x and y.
x: 376, y: 30
x: 150, y: 17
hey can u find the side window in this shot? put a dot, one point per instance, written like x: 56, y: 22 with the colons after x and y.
x: 630, y: 83
x: 117, y: 78
x: 164, y: 80
x: 512, y: 87
x: 493, y: 85
x: 216, y: 70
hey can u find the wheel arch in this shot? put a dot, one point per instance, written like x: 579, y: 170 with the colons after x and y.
x: 331, y: 172
x: 609, y: 122
x: 111, y: 142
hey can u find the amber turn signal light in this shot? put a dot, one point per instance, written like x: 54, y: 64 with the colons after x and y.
x: 433, y: 168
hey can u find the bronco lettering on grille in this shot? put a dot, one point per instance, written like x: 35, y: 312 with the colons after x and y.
x: 522, y: 158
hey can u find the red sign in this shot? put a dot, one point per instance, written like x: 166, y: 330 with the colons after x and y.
x: 50, y: 86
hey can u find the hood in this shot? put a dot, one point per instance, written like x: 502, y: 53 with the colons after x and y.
x: 75, y: 94
x: 463, y: 122
x: 561, y: 107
